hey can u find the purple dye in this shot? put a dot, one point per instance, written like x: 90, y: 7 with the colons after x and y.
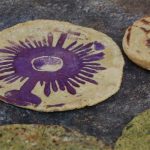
x: 59, y: 68
x: 98, y: 45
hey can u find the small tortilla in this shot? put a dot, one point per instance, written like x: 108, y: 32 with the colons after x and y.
x: 55, y: 66
x: 46, y: 137
x: 136, y: 135
x: 136, y: 42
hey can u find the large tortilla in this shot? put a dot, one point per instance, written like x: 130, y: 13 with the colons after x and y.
x: 46, y: 137
x: 136, y: 135
x: 54, y: 66
x: 136, y: 42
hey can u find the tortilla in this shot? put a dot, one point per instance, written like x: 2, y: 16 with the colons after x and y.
x: 54, y: 66
x: 136, y: 42
x: 46, y: 137
x: 136, y: 134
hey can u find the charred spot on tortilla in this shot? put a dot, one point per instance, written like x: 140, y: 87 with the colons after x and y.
x: 128, y: 35
x: 145, y: 21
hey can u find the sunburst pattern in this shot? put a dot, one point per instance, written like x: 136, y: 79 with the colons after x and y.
x: 55, y: 67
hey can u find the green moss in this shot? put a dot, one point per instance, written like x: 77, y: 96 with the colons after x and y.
x: 40, y: 137
x: 136, y: 135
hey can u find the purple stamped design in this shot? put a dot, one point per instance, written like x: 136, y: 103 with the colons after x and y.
x: 55, y: 67
x: 98, y: 46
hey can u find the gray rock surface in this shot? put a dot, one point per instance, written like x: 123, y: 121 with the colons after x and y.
x: 105, y: 120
